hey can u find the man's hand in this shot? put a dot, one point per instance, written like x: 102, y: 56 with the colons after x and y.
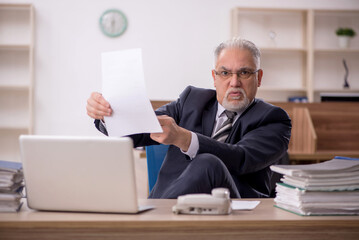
x: 97, y: 107
x: 172, y: 133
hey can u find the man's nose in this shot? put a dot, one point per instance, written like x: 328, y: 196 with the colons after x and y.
x: 235, y: 80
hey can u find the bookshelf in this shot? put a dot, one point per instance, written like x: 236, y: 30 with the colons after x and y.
x: 300, y: 53
x: 16, y: 76
x: 328, y: 70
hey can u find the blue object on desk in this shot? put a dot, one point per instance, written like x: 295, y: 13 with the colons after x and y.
x: 155, y: 155
x: 10, y: 166
x: 346, y: 158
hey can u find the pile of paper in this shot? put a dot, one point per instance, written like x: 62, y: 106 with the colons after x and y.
x: 327, y: 188
x: 11, y: 186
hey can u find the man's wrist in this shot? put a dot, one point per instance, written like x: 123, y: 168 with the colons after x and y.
x: 193, y: 147
x: 185, y: 140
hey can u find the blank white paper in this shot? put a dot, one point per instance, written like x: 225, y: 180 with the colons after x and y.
x: 123, y: 86
x: 244, y: 205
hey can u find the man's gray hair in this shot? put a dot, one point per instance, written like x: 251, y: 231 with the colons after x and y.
x: 241, y: 43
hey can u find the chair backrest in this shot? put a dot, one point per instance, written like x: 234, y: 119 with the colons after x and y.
x: 155, y: 155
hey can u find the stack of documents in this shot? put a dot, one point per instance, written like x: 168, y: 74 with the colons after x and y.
x: 11, y: 186
x: 327, y: 188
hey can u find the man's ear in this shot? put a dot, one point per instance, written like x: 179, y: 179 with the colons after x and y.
x: 260, y: 75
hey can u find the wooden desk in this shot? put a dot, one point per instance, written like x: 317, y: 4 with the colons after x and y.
x: 320, y: 156
x: 264, y: 222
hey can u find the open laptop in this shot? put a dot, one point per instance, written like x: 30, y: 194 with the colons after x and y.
x: 86, y: 174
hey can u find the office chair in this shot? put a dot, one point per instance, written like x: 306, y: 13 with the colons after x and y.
x: 155, y: 155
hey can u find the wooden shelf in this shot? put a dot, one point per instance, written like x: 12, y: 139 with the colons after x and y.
x: 15, y: 47
x: 281, y: 49
x: 331, y: 90
x: 14, y: 87
x: 299, y: 48
x: 16, y: 76
x: 10, y: 6
x: 14, y: 128
x: 281, y: 89
x: 336, y: 50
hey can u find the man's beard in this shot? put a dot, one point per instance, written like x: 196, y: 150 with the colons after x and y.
x: 236, y: 105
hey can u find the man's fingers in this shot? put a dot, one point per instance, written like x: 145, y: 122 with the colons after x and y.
x: 101, y: 100
x: 97, y: 107
x: 93, y: 114
x: 158, y: 137
x: 164, y: 119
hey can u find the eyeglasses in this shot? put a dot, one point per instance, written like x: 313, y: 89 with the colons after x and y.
x: 242, y: 74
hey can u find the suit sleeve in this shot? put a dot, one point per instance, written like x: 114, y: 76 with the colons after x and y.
x: 265, y: 141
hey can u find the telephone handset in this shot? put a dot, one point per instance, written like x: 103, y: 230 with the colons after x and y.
x: 209, y: 204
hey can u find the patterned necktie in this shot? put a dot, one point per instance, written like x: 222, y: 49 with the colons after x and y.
x: 223, y: 132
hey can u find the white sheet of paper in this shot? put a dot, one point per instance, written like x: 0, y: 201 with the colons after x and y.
x: 244, y: 205
x: 123, y: 86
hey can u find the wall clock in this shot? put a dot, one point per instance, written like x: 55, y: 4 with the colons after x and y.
x: 113, y: 23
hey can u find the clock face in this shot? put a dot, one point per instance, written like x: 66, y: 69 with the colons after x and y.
x: 113, y: 23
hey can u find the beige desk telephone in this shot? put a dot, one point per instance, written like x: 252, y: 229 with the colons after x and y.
x: 217, y: 203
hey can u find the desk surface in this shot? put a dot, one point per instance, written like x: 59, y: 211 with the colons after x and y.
x: 320, y: 156
x: 265, y: 221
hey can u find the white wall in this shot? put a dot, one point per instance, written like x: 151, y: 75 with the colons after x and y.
x: 177, y: 38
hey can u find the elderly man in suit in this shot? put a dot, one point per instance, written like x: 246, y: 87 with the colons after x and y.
x: 218, y: 138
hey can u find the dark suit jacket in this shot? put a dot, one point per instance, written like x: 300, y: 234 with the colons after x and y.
x: 258, y: 139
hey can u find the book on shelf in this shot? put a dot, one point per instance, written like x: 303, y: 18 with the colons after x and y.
x: 327, y: 188
x: 11, y: 186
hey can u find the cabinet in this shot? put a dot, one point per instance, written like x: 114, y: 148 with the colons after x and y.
x: 16, y: 76
x: 300, y: 53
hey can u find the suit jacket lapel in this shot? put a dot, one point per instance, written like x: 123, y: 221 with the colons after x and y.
x: 208, y: 118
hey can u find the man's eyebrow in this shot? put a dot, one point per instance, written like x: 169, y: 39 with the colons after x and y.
x: 241, y: 69
x: 224, y: 68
